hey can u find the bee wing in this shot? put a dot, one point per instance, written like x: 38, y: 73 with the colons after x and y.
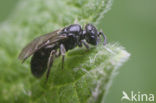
x: 40, y: 42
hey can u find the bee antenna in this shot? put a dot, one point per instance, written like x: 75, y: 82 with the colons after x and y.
x: 104, y: 37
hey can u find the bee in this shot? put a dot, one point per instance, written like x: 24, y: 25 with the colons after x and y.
x: 46, y: 48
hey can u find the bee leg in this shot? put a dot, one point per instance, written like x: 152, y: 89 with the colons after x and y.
x: 63, y: 51
x: 80, y: 44
x: 85, y: 44
x: 58, y: 53
x: 50, y: 62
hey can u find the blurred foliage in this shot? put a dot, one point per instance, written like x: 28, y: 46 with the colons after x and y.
x: 85, y: 79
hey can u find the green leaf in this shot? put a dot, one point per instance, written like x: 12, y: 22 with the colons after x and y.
x: 87, y: 75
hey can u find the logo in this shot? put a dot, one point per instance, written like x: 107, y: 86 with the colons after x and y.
x: 137, y: 96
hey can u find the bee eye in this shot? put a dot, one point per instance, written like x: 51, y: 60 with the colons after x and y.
x: 92, y: 36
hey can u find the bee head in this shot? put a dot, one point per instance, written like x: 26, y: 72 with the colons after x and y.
x: 91, y: 34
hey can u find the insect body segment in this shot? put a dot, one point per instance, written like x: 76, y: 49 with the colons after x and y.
x: 45, y: 48
x: 39, y: 62
x: 74, y: 33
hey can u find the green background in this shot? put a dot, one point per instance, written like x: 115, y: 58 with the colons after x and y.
x: 132, y: 23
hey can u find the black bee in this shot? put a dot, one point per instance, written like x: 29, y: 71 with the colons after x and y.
x: 46, y: 47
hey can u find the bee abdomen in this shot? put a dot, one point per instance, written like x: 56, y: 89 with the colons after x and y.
x: 39, y: 62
